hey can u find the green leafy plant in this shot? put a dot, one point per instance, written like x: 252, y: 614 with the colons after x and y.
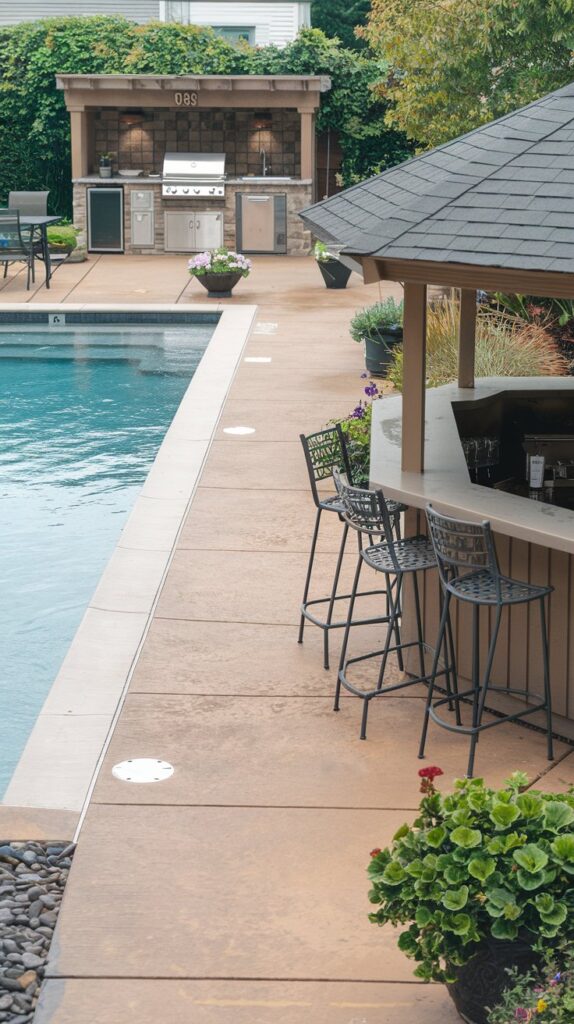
x: 219, y: 261
x: 323, y: 253
x: 536, y: 308
x: 382, y: 316
x: 476, y: 864
x: 545, y: 996
x: 357, y: 430
x: 63, y: 236
x: 506, y: 346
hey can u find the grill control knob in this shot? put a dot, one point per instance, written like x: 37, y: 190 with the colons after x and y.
x: 186, y: 190
x: 196, y: 190
x: 212, y: 191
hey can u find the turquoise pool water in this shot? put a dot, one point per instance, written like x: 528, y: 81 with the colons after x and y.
x: 82, y: 415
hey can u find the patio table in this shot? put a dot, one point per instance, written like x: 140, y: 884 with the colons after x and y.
x: 36, y: 220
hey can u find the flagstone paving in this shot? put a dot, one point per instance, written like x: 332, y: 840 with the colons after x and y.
x: 235, y: 893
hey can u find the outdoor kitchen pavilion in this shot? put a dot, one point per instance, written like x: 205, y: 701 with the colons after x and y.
x: 263, y: 124
x: 493, y: 211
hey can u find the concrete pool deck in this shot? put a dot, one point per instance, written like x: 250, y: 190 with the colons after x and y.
x: 235, y: 892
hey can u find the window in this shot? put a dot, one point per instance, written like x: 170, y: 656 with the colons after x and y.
x: 236, y: 33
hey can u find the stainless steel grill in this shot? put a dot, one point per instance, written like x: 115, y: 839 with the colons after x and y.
x: 189, y: 175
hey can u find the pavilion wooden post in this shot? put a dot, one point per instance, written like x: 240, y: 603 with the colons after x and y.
x: 466, y: 337
x: 307, y: 144
x: 79, y: 127
x: 414, y: 377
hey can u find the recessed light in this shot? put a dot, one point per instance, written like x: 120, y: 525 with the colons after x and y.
x: 143, y: 769
x: 239, y: 430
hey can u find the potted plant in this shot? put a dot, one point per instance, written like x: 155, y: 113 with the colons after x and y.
x: 219, y: 270
x: 484, y: 880
x: 357, y: 430
x: 62, y: 239
x: 335, y: 274
x: 380, y: 328
x: 106, y: 165
x: 539, y: 996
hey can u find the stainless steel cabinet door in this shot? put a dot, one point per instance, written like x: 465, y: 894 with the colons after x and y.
x: 141, y: 200
x: 143, y: 228
x: 257, y: 223
x: 179, y: 231
x: 208, y: 230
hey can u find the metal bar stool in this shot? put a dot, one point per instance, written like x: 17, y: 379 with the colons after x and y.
x: 326, y: 451
x: 469, y: 571
x: 370, y: 514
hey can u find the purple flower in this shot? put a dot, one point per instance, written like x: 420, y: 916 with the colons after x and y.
x: 364, y: 376
x: 358, y: 413
x: 371, y: 390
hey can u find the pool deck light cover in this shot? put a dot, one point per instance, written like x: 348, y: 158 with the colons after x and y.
x: 143, y: 769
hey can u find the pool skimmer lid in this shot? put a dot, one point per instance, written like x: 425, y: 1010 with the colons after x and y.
x: 143, y: 769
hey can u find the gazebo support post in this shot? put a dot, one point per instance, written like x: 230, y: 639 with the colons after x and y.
x: 466, y: 338
x: 414, y: 376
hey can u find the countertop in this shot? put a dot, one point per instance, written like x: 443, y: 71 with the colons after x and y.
x: 116, y: 179
x: 446, y: 482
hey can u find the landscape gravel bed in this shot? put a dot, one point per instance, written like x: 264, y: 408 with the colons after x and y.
x: 32, y: 880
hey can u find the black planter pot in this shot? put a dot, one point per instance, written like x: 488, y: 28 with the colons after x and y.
x: 219, y: 286
x: 481, y: 982
x: 334, y: 273
x: 379, y: 347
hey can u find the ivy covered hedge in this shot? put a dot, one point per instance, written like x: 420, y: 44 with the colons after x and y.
x: 34, y: 124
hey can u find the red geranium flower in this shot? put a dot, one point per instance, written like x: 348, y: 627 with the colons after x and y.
x: 432, y: 772
x: 375, y: 852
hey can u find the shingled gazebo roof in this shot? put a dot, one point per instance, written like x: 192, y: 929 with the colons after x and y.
x: 500, y: 196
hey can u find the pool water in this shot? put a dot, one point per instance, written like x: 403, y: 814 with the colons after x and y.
x: 82, y: 415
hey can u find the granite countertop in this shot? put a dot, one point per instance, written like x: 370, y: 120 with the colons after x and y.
x: 446, y: 482
x: 117, y: 179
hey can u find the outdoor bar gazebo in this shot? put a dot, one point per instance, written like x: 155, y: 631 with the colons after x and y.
x: 493, y: 211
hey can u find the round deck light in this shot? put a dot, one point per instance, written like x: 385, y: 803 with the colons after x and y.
x: 143, y: 769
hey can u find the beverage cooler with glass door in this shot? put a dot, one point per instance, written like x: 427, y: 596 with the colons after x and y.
x: 106, y: 219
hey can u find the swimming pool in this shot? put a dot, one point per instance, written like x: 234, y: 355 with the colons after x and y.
x: 83, y: 411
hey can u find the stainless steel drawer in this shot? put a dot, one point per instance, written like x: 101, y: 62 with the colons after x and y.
x: 141, y: 199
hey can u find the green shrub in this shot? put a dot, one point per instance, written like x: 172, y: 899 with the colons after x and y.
x: 382, y: 316
x: 506, y: 346
x: 63, y: 236
x: 35, y: 125
x: 477, y: 863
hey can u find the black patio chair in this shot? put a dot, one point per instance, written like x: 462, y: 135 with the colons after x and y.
x: 15, y: 246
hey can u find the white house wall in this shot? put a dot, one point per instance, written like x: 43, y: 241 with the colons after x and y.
x: 12, y: 11
x: 274, y: 22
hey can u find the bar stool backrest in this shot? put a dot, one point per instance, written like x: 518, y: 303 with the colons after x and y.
x: 461, y: 547
x: 366, y: 511
x: 29, y: 203
x: 325, y: 451
x: 11, y: 241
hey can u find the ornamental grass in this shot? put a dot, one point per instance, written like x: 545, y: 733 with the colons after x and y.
x: 506, y: 346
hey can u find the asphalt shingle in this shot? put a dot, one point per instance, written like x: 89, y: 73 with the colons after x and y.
x: 502, y: 195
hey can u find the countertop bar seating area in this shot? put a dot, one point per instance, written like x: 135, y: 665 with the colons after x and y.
x: 492, y: 211
x: 180, y: 163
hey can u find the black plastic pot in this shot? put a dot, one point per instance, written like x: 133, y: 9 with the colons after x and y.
x: 379, y: 347
x: 335, y: 274
x: 481, y: 982
x: 219, y: 286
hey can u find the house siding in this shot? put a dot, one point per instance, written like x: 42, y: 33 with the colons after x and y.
x: 27, y: 10
x: 274, y: 22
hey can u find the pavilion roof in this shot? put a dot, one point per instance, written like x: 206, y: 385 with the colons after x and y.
x: 499, y: 196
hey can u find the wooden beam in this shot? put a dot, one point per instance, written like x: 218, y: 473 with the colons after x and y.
x: 307, y: 144
x: 414, y: 377
x: 466, y: 337
x: 554, y: 284
x: 80, y: 143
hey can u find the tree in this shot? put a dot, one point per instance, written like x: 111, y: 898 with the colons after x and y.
x: 456, y: 64
x: 339, y: 18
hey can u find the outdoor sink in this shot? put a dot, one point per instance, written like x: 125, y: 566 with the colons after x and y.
x: 266, y: 177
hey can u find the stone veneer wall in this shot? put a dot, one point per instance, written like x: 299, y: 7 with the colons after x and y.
x: 298, y: 197
x: 201, y: 131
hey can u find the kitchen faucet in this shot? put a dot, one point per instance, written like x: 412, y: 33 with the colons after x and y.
x: 264, y: 167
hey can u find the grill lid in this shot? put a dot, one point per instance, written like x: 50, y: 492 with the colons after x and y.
x: 194, y: 166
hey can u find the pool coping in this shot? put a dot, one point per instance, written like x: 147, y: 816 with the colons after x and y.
x: 59, y: 764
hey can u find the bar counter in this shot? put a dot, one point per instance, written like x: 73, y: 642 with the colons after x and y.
x: 534, y: 539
